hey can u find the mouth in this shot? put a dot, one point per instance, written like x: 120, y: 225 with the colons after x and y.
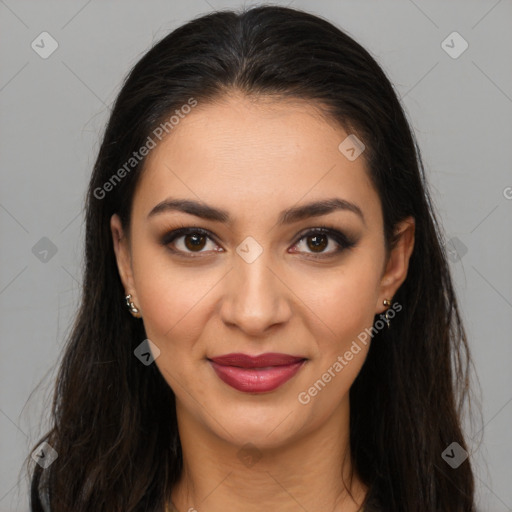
x: 256, y: 374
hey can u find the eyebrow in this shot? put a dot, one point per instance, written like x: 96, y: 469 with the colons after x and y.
x: 289, y: 216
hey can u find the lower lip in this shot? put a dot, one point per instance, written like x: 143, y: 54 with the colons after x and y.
x: 256, y: 380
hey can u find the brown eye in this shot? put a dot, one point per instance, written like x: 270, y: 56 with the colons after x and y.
x: 318, y: 242
x: 194, y: 241
x: 188, y: 240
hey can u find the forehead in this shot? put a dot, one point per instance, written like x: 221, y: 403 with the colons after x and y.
x: 250, y: 154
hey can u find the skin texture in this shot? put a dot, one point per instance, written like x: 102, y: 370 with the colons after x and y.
x: 255, y: 158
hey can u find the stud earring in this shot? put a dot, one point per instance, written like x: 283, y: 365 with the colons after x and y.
x: 131, y: 306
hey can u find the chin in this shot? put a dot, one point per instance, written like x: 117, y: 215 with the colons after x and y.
x: 266, y: 426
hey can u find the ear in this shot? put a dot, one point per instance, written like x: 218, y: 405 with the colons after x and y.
x: 123, y: 256
x: 397, y: 263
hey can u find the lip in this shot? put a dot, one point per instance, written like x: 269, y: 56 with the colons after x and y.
x: 256, y: 374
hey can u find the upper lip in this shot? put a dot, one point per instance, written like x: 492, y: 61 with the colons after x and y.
x: 263, y: 360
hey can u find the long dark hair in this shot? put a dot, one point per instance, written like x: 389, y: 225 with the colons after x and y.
x: 113, y: 419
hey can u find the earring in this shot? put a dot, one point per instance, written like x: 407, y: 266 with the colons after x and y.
x: 131, y: 306
x: 387, y: 303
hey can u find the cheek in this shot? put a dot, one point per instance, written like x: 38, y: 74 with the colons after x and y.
x: 172, y: 298
x: 342, y: 302
x: 345, y: 304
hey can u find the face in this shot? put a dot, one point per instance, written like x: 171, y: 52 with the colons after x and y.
x: 252, y: 279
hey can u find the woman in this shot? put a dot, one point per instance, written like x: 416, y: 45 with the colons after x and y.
x: 268, y: 320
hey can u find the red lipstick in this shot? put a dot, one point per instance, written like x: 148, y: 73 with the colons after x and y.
x: 256, y: 374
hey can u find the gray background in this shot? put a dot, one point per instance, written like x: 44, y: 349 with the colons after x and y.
x: 53, y: 112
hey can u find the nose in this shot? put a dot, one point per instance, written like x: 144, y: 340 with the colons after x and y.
x: 255, y: 298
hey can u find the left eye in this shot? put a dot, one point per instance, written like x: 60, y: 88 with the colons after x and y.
x: 317, y: 240
x: 193, y: 240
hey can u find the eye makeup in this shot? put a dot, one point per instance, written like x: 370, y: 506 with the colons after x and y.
x: 341, y: 240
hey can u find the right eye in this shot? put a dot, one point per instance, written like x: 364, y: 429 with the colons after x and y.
x: 187, y: 241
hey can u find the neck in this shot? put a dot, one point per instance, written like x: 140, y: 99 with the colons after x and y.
x: 311, y: 472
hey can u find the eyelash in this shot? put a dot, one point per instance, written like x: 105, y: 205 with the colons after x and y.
x: 344, y: 242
